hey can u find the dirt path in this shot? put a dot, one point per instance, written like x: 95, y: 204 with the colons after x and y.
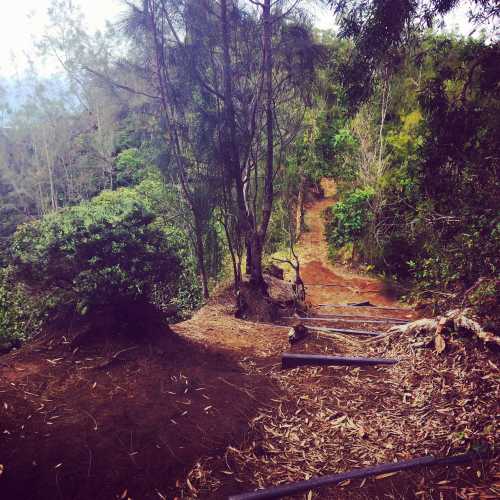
x: 327, y: 420
x: 209, y: 412
x: 329, y: 284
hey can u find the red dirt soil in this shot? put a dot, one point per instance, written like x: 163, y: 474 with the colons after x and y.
x: 206, y: 411
x: 85, y: 425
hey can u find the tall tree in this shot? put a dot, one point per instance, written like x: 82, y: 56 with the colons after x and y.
x: 237, y: 91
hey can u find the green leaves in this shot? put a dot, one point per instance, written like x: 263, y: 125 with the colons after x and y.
x: 348, y: 218
x: 112, y: 251
x: 20, y: 315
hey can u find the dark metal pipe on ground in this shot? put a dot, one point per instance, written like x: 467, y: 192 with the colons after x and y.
x: 370, y: 307
x: 350, y: 287
x: 346, y: 318
x: 303, y: 486
x: 290, y: 360
x: 341, y: 330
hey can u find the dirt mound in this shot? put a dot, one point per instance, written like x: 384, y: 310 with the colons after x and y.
x: 116, y: 416
x: 254, y: 306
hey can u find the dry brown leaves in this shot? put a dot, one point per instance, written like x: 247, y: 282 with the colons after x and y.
x: 335, y: 419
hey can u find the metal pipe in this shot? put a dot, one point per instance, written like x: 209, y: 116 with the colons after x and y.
x: 371, y: 307
x: 302, y: 486
x: 342, y: 319
x: 347, y: 318
x: 341, y: 330
x: 290, y: 360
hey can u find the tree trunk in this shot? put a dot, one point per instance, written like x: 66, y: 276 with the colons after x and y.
x: 200, y: 256
x: 268, y: 76
x: 256, y: 277
x: 248, y: 260
x: 236, y: 263
x: 231, y: 156
x: 50, y: 170
x: 299, y: 214
x: 259, y: 234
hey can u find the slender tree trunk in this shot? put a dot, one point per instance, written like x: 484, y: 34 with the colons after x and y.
x: 231, y: 153
x: 200, y: 255
x: 259, y: 234
x: 236, y: 263
x: 248, y: 260
x: 231, y: 157
x: 299, y: 214
x: 256, y: 277
x: 50, y: 168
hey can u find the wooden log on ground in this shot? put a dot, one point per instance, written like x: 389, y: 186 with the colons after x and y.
x: 359, y: 316
x: 290, y: 360
x: 338, y: 285
x: 331, y: 479
x: 371, y: 307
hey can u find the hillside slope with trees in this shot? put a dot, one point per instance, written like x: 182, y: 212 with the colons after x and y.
x: 205, y: 174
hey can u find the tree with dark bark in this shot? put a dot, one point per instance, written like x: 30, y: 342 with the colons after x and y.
x: 244, y: 100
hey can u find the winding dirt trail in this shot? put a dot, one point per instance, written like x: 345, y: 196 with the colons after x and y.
x: 329, y: 284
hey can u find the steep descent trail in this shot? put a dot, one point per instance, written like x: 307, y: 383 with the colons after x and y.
x: 324, y: 420
x: 329, y: 284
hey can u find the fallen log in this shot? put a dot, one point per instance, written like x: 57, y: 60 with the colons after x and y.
x: 331, y: 479
x: 457, y: 320
x: 342, y: 330
x: 338, y: 285
x: 346, y: 320
x: 328, y: 284
x: 289, y: 360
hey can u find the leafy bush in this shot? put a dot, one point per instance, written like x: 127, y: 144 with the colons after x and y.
x: 347, y: 219
x: 130, y: 167
x: 111, y: 252
x: 20, y: 315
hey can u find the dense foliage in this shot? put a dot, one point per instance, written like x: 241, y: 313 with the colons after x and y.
x: 431, y: 157
x: 112, y: 252
x: 348, y: 218
x: 21, y: 315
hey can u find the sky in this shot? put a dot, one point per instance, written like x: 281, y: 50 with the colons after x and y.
x: 26, y: 20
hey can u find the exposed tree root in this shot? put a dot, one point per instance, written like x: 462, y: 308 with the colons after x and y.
x: 457, y: 320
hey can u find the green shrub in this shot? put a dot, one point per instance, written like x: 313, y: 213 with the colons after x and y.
x: 347, y: 219
x: 131, y: 167
x: 20, y: 315
x: 111, y: 252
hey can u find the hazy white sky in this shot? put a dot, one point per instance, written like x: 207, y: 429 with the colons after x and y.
x: 24, y: 20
